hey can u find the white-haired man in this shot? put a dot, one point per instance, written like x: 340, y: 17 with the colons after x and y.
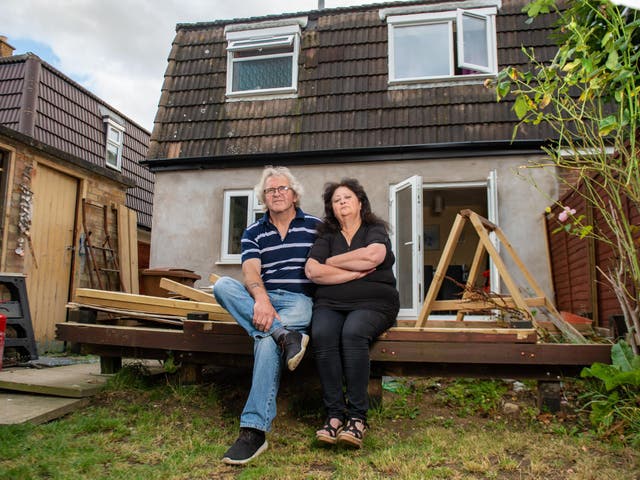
x: 274, y: 304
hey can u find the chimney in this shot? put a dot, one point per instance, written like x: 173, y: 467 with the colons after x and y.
x: 320, y: 4
x: 6, y: 50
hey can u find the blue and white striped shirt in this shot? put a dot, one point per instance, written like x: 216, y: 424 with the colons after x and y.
x: 282, y: 260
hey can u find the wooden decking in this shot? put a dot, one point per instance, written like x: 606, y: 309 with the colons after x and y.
x: 400, y: 351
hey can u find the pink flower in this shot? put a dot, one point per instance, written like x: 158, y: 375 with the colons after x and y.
x: 564, y: 215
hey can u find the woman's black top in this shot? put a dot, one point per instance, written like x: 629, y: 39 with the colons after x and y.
x: 376, y: 291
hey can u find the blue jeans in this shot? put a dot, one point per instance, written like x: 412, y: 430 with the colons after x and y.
x: 295, y: 314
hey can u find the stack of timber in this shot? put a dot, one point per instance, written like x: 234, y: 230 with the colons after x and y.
x: 157, y: 309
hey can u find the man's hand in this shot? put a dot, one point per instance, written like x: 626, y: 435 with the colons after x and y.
x: 264, y: 313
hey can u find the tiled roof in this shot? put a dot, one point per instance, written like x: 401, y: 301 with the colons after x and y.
x: 343, y: 99
x: 70, y: 118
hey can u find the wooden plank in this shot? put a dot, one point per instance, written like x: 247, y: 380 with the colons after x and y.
x: 461, y: 334
x: 438, y: 277
x: 213, y: 278
x: 186, y: 291
x: 551, y: 354
x: 148, y: 304
x: 470, y: 305
x: 168, y: 319
x: 133, y: 251
x: 123, y: 247
x: 154, y: 338
x: 455, y: 333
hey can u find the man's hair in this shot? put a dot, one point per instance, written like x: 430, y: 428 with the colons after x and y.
x: 270, y: 171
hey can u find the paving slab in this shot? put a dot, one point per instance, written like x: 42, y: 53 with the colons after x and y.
x: 18, y: 408
x: 73, y: 381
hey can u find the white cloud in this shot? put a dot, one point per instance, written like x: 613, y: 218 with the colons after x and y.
x: 118, y: 50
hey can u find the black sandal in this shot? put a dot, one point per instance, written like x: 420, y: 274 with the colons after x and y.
x: 351, y: 435
x: 328, y: 433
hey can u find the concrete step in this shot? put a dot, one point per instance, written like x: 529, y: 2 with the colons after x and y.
x: 38, y: 395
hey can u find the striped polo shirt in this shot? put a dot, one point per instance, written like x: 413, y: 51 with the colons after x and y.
x: 282, y: 260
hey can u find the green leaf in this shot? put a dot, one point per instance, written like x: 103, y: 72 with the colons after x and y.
x: 521, y: 106
x: 612, y: 60
x: 503, y: 89
x: 622, y: 356
x: 586, y: 230
x: 607, y: 124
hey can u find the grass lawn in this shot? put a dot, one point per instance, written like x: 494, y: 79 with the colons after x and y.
x: 150, y: 427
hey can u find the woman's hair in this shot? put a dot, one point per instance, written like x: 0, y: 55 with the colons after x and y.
x: 270, y: 171
x: 330, y: 222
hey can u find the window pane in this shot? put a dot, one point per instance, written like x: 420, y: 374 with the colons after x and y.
x: 112, y: 155
x: 422, y: 51
x: 114, y: 135
x: 404, y: 254
x: 237, y: 222
x: 262, y: 74
x: 475, y: 41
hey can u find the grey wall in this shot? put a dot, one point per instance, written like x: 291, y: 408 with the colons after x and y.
x: 187, y: 215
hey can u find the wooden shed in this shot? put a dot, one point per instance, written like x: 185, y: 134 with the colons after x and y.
x: 69, y: 163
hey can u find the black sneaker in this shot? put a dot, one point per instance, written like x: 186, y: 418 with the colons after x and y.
x: 293, y: 344
x: 249, y: 445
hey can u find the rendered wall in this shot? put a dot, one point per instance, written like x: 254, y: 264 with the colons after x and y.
x: 187, y: 216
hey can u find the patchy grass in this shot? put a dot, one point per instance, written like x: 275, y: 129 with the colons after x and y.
x: 147, y: 428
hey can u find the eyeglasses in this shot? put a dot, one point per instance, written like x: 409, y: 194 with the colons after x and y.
x: 273, y: 190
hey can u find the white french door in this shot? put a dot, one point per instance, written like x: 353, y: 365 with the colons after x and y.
x: 406, y: 221
x: 405, y: 200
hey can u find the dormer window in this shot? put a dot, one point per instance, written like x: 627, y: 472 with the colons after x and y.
x: 115, y: 141
x: 263, y: 61
x: 442, y: 45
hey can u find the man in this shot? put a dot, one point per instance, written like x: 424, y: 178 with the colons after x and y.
x: 274, y: 305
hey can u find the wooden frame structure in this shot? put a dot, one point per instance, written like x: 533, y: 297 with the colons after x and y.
x: 515, y: 299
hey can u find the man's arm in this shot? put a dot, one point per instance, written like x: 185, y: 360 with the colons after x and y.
x: 360, y: 259
x: 323, y: 274
x: 263, y: 311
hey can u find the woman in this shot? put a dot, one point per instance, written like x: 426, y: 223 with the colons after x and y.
x: 356, y: 300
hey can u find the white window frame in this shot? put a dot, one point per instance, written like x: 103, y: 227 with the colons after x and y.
x: 449, y: 18
x: 114, y: 127
x: 254, y: 207
x: 263, y: 38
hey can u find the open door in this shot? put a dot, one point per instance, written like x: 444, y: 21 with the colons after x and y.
x: 492, y: 216
x: 405, y: 214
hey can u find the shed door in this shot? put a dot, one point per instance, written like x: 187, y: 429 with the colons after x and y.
x: 52, y: 227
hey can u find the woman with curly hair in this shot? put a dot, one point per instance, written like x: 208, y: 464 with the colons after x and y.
x: 356, y: 300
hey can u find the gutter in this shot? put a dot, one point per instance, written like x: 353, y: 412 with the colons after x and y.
x: 350, y: 155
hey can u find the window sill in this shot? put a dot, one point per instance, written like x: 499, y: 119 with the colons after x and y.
x: 254, y: 96
x: 229, y: 261
x: 440, y: 82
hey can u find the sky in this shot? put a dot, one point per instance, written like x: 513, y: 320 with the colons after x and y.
x: 118, y: 49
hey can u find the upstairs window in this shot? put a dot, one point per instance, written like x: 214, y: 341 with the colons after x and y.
x: 442, y: 45
x: 263, y: 61
x: 115, y: 141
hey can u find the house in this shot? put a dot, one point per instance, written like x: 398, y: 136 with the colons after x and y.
x: 393, y: 94
x: 61, y: 147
